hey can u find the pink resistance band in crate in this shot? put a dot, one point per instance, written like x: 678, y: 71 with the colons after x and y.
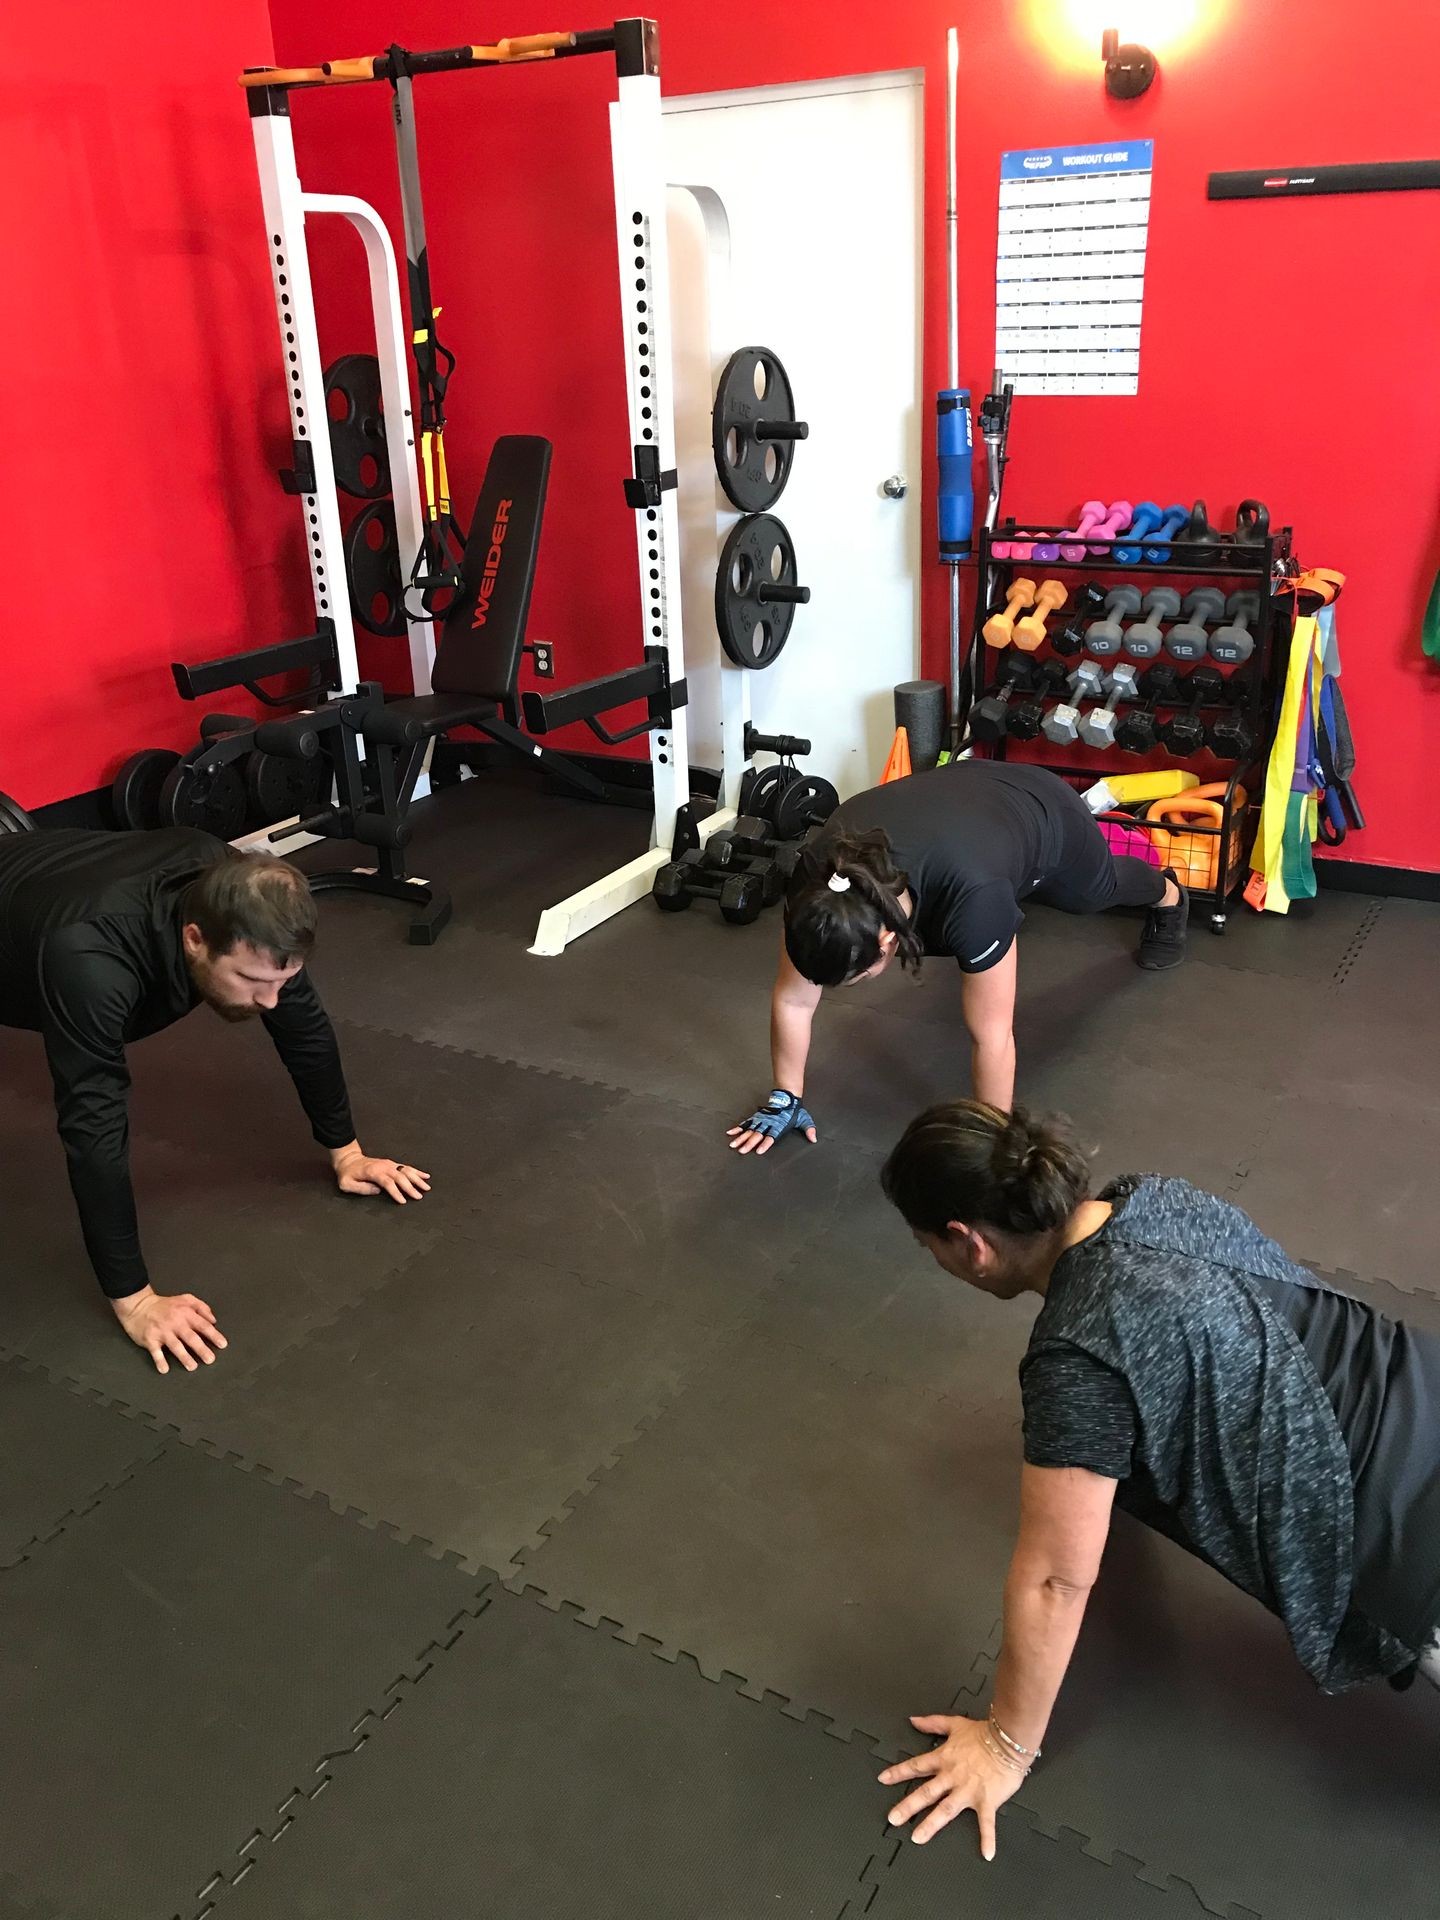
x: 1135, y: 841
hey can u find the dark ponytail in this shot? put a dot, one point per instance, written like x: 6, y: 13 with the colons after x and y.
x: 969, y: 1162
x: 832, y: 936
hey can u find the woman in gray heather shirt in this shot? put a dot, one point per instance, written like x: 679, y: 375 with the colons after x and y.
x: 1182, y: 1368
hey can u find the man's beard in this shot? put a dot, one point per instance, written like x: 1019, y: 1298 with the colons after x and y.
x: 228, y: 1010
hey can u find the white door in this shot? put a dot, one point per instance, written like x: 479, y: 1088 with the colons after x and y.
x: 821, y: 187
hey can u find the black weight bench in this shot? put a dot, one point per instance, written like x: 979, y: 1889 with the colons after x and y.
x: 474, y: 686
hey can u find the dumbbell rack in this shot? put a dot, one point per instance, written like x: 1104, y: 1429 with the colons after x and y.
x: 1260, y: 565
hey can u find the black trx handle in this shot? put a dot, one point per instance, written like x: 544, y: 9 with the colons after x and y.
x: 437, y: 563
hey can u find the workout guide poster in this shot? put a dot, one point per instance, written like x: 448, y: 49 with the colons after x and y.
x: 1070, y: 271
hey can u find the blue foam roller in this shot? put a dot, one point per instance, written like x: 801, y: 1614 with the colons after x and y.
x: 953, y: 447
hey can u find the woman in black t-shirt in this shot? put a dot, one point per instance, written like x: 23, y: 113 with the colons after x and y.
x: 938, y: 864
x: 1184, y: 1369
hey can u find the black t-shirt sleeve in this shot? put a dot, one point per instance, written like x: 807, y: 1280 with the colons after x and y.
x: 87, y: 995
x: 1078, y: 1413
x: 305, y: 1041
x: 981, y: 924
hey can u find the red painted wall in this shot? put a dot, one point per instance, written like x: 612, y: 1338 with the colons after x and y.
x: 1288, y: 348
x: 140, y: 356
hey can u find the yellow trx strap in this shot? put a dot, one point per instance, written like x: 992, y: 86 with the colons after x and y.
x: 427, y: 465
x: 442, y: 475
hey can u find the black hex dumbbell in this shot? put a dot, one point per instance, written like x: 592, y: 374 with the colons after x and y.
x: 678, y: 882
x: 1139, y: 730
x: 1069, y: 641
x: 1231, y: 735
x: 1027, y: 715
x: 1184, y: 732
x: 988, y: 716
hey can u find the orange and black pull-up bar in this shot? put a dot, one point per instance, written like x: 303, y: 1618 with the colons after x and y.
x: 381, y: 66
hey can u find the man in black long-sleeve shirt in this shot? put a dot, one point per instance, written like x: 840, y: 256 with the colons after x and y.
x: 105, y: 938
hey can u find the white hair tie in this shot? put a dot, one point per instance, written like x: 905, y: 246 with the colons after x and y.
x: 839, y: 883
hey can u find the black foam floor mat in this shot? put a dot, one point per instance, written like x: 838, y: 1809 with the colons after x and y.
x: 469, y: 1799
x: 1380, y: 1052
x: 1347, y: 1186
x: 1040, y: 1875
x: 638, y: 1026
x: 470, y: 1397
x: 463, y: 1118
x: 1188, y: 1737
x: 865, y: 1296
x: 838, y: 1539
x: 272, y: 1258
x: 177, y: 1663
x: 652, y: 1197
x: 1395, y: 962
x: 61, y: 1455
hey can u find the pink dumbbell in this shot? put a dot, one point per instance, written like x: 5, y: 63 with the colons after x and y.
x: 1020, y: 549
x: 1091, y: 514
x: 1115, y: 522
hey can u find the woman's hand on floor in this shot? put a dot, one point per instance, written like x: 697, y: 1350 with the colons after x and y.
x: 961, y: 1772
x: 782, y: 1113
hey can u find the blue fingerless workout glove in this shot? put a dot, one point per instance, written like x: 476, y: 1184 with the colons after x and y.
x: 781, y: 1113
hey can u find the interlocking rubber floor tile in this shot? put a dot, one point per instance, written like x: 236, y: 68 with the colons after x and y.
x: 1188, y: 1737
x: 544, y: 1767
x: 461, y: 1117
x: 866, y: 1297
x: 177, y: 1663
x: 1042, y: 1876
x: 1348, y: 1186
x: 470, y: 1397
x: 652, y: 1197
x: 271, y: 1258
x: 61, y: 1455
x: 839, y: 1539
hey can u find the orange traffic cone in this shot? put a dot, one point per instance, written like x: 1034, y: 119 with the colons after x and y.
x: 897, y: 767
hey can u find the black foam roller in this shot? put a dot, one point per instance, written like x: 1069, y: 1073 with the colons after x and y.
x: 920, y: 709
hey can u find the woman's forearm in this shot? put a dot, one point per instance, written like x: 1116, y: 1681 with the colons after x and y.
x: 789, y: 1043
x: 1042, y: 1620
x: 992, y: 1068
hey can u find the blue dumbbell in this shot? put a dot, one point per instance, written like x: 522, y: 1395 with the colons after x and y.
x: 1157, y: 552
x: 1146, y: 519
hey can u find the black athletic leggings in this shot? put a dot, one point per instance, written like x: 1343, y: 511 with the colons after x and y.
x: 1089, y: 878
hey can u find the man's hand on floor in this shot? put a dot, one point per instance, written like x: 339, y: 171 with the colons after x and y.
x: 175, y: 1323
x: 357, y: 1172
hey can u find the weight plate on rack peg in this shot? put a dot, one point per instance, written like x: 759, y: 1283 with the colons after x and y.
x: 805, y: 803
x: 372, y: 566
x: 278, y: 788
x: 357, y: 429
x: 135, y: 790
x: 756, y: 592
x: 754, y: 429
x: 214, y: 802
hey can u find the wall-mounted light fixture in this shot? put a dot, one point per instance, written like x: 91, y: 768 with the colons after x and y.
x: 1128, y: 69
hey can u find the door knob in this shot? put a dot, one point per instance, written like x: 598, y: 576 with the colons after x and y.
x: 894, y: 488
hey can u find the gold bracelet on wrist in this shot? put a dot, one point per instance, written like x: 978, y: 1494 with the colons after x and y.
x: 1009, y: 1741
x: 998, y: 1753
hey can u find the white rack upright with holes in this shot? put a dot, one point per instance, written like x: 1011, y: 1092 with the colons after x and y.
x: 637, y: 153
x: 287, y: 206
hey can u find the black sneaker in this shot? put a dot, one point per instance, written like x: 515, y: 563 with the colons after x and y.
x: 1162, y: 944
